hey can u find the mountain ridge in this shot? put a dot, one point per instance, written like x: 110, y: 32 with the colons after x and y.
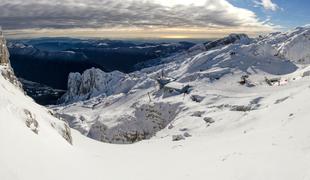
x: 236, y: 111
x: 96, y: 93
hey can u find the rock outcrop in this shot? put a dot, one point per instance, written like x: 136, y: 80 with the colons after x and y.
x: 145, y: 122
x: 4, y: 54
x: 232, y: 38
x: 6, y: 69
x: 15, y: 104
x: 94, y: 82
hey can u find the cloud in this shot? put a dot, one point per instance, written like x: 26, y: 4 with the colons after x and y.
x: 64, y: 14
x: 267, y: 4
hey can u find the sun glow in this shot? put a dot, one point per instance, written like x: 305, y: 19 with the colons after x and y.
x: 175, y: 37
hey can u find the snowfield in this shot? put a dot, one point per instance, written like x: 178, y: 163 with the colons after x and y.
x: 243, y: 116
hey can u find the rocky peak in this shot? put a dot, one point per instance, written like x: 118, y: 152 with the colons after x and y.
x: 4, y: 53
x: 232, y: 38
x: 5, y: 65
x: 94, y: 82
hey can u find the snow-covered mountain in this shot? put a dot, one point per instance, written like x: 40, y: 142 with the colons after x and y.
x: 238, y: 110
x: 124, y: 108
x: 45, y: 55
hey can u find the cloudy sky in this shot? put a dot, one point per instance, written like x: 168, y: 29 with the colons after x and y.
x: 149, y: 18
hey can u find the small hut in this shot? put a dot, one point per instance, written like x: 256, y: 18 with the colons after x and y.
x: 177, y: 87
x: 273, y: 81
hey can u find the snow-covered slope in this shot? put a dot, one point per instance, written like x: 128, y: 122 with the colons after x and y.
x: 29, y: 134
x: 15, y: 106
x: 125, y: 108
x: 292, y: 45
x: 245, y: 116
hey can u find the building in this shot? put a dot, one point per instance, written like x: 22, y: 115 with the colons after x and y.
x: 177, y: 87
x: 162, y: 81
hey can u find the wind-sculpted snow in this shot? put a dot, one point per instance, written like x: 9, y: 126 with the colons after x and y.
x: 245, y: 58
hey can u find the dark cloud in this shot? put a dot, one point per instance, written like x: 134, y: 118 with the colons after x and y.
x: 23, y: 14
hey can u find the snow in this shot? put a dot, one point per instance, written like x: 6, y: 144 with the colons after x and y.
x: 104, y: 106
x: 228, y: 131
x: 175, y: 85
x: 94, y: 82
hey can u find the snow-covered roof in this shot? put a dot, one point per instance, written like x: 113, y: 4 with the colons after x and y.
x: 175, y: 85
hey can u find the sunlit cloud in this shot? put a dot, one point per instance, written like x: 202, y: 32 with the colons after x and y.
x: 133, y: 15
x: 267, y: 4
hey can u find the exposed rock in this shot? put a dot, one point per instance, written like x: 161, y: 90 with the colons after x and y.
x: 146, y: 120
x: 198, y: 113
x: 4, y: 53
x: 227, y: 40
x: 6, y: 69
x: 241, y: 108
x: 184, y: 129
x: 306, y: 74
x: 170, y: 126
x: 245, y: 81
x: 178, y: 137
x: 197, y: 98
x: 8, y: 74
x: 281, y: 100
x: 31, y: 122
x: 186, y: 134
x: 66, y: 133
x: 94, y: 82
x: 208, y: 120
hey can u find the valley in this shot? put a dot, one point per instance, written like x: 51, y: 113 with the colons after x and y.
x: 234, y: 108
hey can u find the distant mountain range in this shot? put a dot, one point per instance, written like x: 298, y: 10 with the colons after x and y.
x: 50, y: 60
x: 220, y: 110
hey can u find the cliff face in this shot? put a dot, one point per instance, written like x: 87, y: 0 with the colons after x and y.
x: 4, y: 53
x: 5, y: 66
x: 94, y: 82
